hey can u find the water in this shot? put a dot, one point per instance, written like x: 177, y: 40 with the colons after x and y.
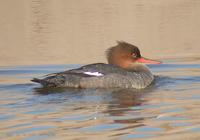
x: 30, y: 112
x: 39, y: 37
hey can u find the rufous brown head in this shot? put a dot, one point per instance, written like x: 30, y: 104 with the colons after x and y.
x: 125, y: 55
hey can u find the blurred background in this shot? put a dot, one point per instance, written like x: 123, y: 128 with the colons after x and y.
x: 37, y: 32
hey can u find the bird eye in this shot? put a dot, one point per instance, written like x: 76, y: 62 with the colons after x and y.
x: 134, y: 55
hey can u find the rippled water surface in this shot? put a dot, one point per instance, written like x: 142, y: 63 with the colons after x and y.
x: 38, y: 36
x: 170, y: 106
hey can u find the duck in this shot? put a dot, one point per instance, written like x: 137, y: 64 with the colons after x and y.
x: 125, y: 68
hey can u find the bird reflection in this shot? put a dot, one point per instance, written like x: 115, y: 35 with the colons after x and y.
x: 117, y: 103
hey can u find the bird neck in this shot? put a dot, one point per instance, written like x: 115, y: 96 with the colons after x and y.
x: 137, y: 67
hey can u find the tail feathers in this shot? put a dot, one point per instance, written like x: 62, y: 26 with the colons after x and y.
x: 37, y: 80
x: 44, y: 82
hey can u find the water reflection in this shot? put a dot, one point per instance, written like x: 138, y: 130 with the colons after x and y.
x: 121, y: 98
x: 117, y: 103
x: 51, y: 32
x: 168, y: 106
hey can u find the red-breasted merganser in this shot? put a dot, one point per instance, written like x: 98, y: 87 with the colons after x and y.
x: 125, y: 69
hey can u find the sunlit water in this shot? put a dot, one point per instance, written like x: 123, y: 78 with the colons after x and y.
x: 43, y: 32
x: 169, y: 106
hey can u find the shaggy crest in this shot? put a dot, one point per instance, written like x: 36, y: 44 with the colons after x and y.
x: 120, y: 49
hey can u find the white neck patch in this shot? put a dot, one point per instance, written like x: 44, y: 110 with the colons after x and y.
x: 93, y: 73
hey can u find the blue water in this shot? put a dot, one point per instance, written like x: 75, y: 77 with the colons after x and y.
x: 170, y: 105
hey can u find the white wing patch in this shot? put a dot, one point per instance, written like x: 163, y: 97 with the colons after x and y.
x: 93, y: 73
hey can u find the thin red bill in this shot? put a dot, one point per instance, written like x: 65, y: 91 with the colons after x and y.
x: 148, y: 61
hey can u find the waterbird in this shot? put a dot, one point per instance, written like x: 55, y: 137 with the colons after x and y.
x: 125, y: 69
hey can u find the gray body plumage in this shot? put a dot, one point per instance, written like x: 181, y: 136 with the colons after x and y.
x: 113, y: 77
x: 125, y: 69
